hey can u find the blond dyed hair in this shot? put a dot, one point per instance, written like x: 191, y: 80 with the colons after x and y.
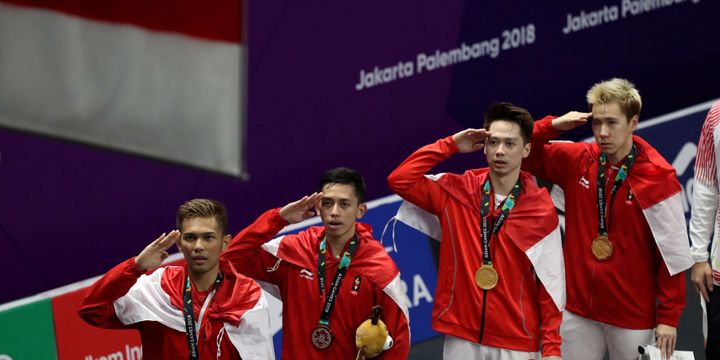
x: 618, y: 91
x: 202, y: 208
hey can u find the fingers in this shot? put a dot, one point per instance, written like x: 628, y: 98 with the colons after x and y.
x: 661, y: 344
x: 709, y: 284
x: 301, y: 209
x: 671, y: 348
x: 702, y: 279
x: 157, y: 241
x: 169, y: 240
x: 308, y: 201
x: 665, y: 342
x: 702, y: 290
x: 477, y: 134
x: 313, y: 200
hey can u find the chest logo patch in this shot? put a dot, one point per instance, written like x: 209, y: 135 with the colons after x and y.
x: 356, y: 285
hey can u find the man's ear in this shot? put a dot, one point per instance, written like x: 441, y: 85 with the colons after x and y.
x: 634, y: 122
x: 362, y: 209
x: 226, y: 241
x: 526, y: 150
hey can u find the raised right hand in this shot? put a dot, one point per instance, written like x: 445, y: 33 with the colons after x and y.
x: 471, y: 140
x: 302, y: 209
x: 702, y: 279
x: 154, y: 254
x: 570, y: 120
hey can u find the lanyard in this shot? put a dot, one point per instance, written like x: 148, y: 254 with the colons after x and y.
x: 191, y: 329
x: 339, y: 275
x: 507, y: 205
x: 622, y: 174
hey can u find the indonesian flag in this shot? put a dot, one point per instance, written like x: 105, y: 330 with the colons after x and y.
x: 527, y: 225
x: 658, y: 192
x: 145, y: 77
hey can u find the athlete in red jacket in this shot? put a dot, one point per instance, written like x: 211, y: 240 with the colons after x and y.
x: 617, y: 268
x: 514, y: 310
x: 297, y: 263
x: 230, y: 317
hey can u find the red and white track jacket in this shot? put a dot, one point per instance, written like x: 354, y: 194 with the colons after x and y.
x: 237, y: 317
x: 524, y: 310
x: 290, y: 263
x: 646, y: 226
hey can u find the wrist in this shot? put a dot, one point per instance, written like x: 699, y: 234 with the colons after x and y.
x: 136, y: 268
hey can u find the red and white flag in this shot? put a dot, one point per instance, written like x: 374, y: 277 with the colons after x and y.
x: 157, y: 78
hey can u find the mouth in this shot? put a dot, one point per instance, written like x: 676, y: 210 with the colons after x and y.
x: 499, y: 163
x: 199, y: 260
x: 334, y: 225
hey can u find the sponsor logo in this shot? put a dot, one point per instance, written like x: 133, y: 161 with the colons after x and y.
x: 584, y: 182
x: 305, y: 273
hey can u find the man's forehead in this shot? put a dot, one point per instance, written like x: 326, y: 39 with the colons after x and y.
x: 199, y: 225
x: 348, y: 196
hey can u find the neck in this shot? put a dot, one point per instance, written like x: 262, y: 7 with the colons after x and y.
x: 204, y: 281
x: 503, y: 184
x: 621, y: 153
x: 337, y: 244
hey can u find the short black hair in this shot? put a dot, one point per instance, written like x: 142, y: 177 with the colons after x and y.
x: 202, y: 208
x: 509, y: 112
x: 347, y: 176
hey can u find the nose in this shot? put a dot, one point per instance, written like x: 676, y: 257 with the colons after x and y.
x: 335, y: 210
x: 603, y: 131
x: 198, y: 246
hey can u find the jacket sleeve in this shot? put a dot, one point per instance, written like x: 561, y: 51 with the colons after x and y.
x: 97, y: 307
x: 550, y: 323
x: 408, y: 179
x: 245, y: 251
x: 705, y: 192
x: 398, y: 326
x: 671, y: 294
x: 548, y: 161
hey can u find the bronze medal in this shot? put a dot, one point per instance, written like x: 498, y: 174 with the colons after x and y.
x: 486, y: 277
x: 321, y: 337
x: 602, y: 247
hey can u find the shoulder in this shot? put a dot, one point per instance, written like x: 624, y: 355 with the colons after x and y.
x: 649, y: 161
x: 533, y: 194
x: 374, y: 262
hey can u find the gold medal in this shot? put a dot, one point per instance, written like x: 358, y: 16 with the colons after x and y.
x: 486, y: 277
x: 602, y: 247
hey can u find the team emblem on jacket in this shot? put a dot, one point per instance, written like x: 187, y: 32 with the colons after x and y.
x: 356, y: 285
x: 630, y: 196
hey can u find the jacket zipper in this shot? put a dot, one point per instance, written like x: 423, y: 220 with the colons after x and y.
x: 482, y: 319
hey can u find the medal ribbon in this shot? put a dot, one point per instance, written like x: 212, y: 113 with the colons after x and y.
x: 507, y: 205
x: 339, y: 275
x: 191, y: 329
x: 622, y: 174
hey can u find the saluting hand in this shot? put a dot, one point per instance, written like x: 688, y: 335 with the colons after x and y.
x: 471, y: 140
x: 302, y: 209
x: 570, y: 120
x: 154, y: 254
